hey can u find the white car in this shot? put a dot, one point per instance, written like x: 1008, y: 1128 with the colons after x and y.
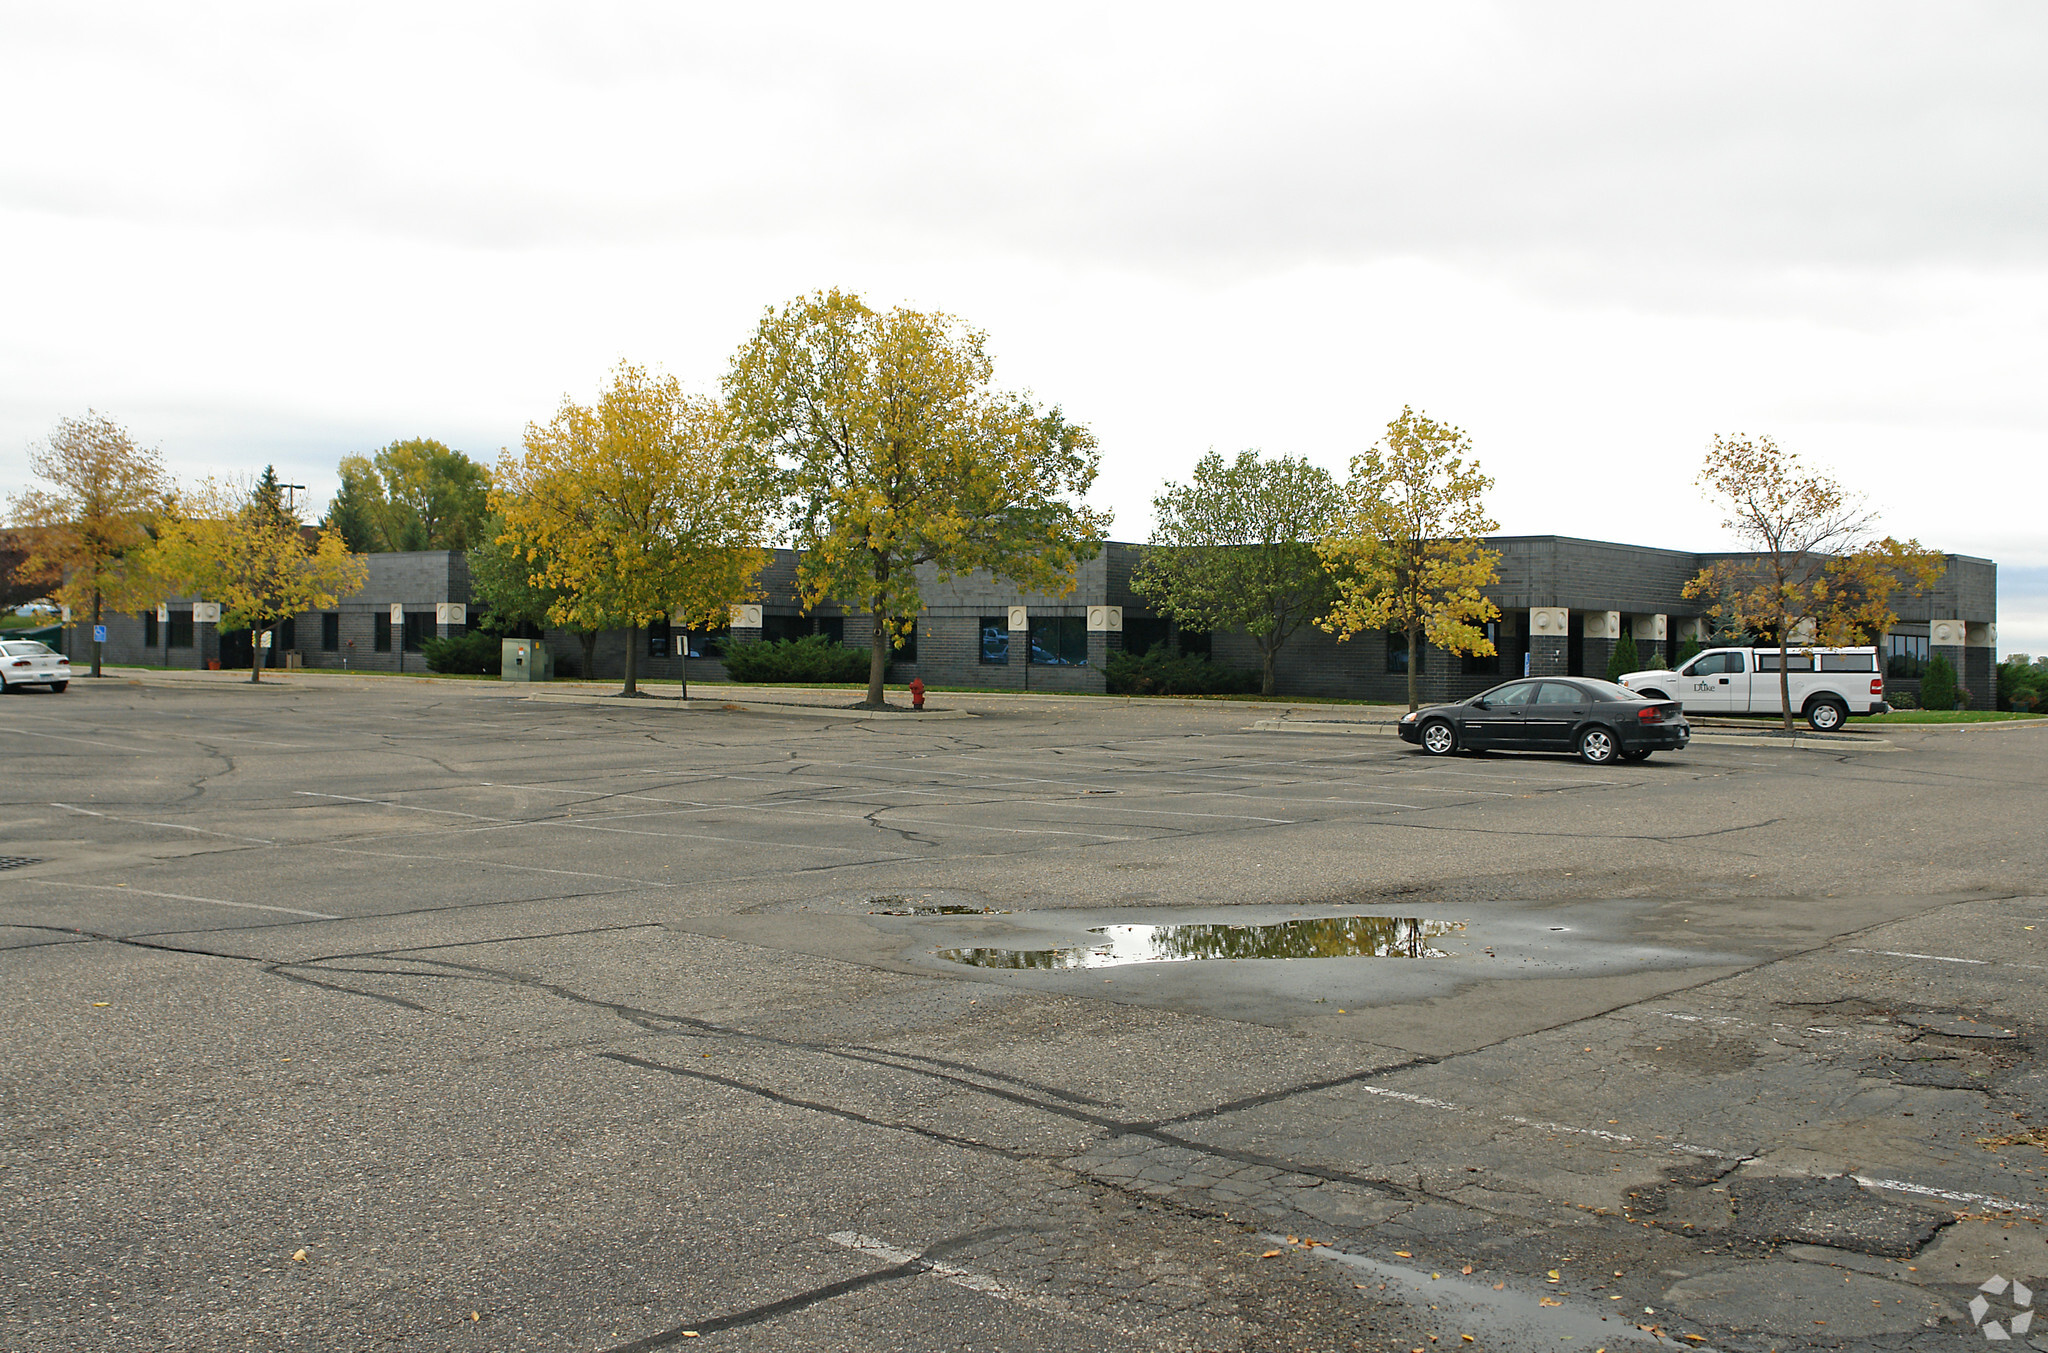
x: 25, y: 662
x: 1828, y: 684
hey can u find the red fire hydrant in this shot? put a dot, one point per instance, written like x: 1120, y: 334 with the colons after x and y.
x: 917, y: 693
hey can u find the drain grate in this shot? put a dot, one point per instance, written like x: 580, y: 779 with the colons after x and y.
x: 17, y: 861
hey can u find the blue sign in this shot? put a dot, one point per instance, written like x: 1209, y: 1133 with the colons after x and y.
x: 99, y: 634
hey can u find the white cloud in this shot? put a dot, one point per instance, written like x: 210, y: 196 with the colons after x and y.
x: 1594, y: 235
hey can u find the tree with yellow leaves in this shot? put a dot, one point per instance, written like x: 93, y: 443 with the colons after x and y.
x: 1406, y: 555
x: 642, y: 507
x: 901, y: 453
x: 247, y: 550
x: 1814, y: 575
x: 89, y: 527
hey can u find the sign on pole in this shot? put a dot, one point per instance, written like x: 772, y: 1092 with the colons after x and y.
x: 99, y: 634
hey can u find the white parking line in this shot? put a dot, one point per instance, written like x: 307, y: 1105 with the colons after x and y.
x: 168, y: 826
x: 182, y: 897
x: 967, y: 1278
x: 1944, y: 958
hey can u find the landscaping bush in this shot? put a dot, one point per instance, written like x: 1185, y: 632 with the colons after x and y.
x: 1938, y: 689
x: 1160, y: 671
x: 476, y: 653
x: 1902, y: 699
x: 815, y: 657
x: 1624, y: 659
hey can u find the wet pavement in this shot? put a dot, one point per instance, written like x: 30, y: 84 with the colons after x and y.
x: 427, y: 1017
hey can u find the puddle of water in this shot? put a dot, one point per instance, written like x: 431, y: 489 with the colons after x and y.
x: 1318, y: 937
x: 946, y: 909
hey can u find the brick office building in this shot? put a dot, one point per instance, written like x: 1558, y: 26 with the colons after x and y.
x: 1564, y: 604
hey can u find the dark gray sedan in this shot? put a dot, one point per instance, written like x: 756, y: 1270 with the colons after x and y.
x: 1598, y: 720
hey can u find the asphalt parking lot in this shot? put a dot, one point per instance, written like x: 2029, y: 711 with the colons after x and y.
x: 425, y: 1015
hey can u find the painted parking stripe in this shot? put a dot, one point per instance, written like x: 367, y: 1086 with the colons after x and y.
x: 960, y: 1277
x: 1899, y: 1185
x: 182, y: 897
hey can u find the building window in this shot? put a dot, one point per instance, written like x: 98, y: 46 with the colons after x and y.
x: 658, y: 638
x: 330, y: 631
x: 1486, y: 664
x: 383, y: 629
x: 833, y: 627
x: 1195, y: 643
x: 1059, y: 641
x: 149, y: 629
x: 1905, y: 655
x: 180, y: 627
x: 995, y: 641
x: 1143, y: 633
x: 706, y: 643
x: 1397, y: 654
x: 419, y: 627
x: 777, y: 629
x: 907, y: 653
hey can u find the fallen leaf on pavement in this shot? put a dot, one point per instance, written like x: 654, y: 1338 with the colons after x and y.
x: 1270, y: 1254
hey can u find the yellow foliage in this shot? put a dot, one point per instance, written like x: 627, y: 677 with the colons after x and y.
x: 642, y: 507
x: 250, y: 554
x: 900, y: 453
x: 1404, y: 555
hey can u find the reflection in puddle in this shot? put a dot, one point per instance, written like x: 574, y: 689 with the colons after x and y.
x: 945, y: 909
x: 1321, y: 937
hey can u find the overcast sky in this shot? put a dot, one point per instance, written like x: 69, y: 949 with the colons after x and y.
x: 1592, y: 235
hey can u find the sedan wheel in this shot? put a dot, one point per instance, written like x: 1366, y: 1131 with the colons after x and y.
x: 1438, y: 739
x: 1597, y: 746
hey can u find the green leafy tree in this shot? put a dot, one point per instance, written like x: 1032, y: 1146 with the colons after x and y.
x: 1688, y: 650
x: 1237, y: 546
x: 900, y: 452
x: 1624, y: 659
x: 1813, y: 574
x: 87, y: 527
x: 249, y: 552
x: 416, y: 494
x: 641, y: 507
x: 1405, y: 550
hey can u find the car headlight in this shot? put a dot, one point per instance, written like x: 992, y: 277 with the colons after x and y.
x: 1409, y: 717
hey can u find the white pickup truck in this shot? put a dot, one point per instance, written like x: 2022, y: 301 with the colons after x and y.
x: 1828, y: 684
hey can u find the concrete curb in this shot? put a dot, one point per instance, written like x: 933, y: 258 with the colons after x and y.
x: 672, y: 705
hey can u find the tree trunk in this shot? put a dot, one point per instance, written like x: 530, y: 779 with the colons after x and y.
x: 683, y: 667
x: 1784, y: 681
x: 588, y: 639
x: 1268, y: 653
x: 632, y: 660
x: 879, y: 645
x: 256, y: 654
x: 96, y: 630
x: 1414, y: 668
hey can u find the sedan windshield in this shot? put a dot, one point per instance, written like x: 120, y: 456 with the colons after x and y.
x: 25, y: 648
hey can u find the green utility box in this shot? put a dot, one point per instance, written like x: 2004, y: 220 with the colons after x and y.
x: 526, y: 660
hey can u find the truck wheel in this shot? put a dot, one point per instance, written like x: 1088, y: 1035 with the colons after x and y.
x: 1825, y: 716
x: 1597, y: 746
x: 1438, y: 739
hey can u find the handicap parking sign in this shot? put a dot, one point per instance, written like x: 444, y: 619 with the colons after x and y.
x: 99, y: 634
